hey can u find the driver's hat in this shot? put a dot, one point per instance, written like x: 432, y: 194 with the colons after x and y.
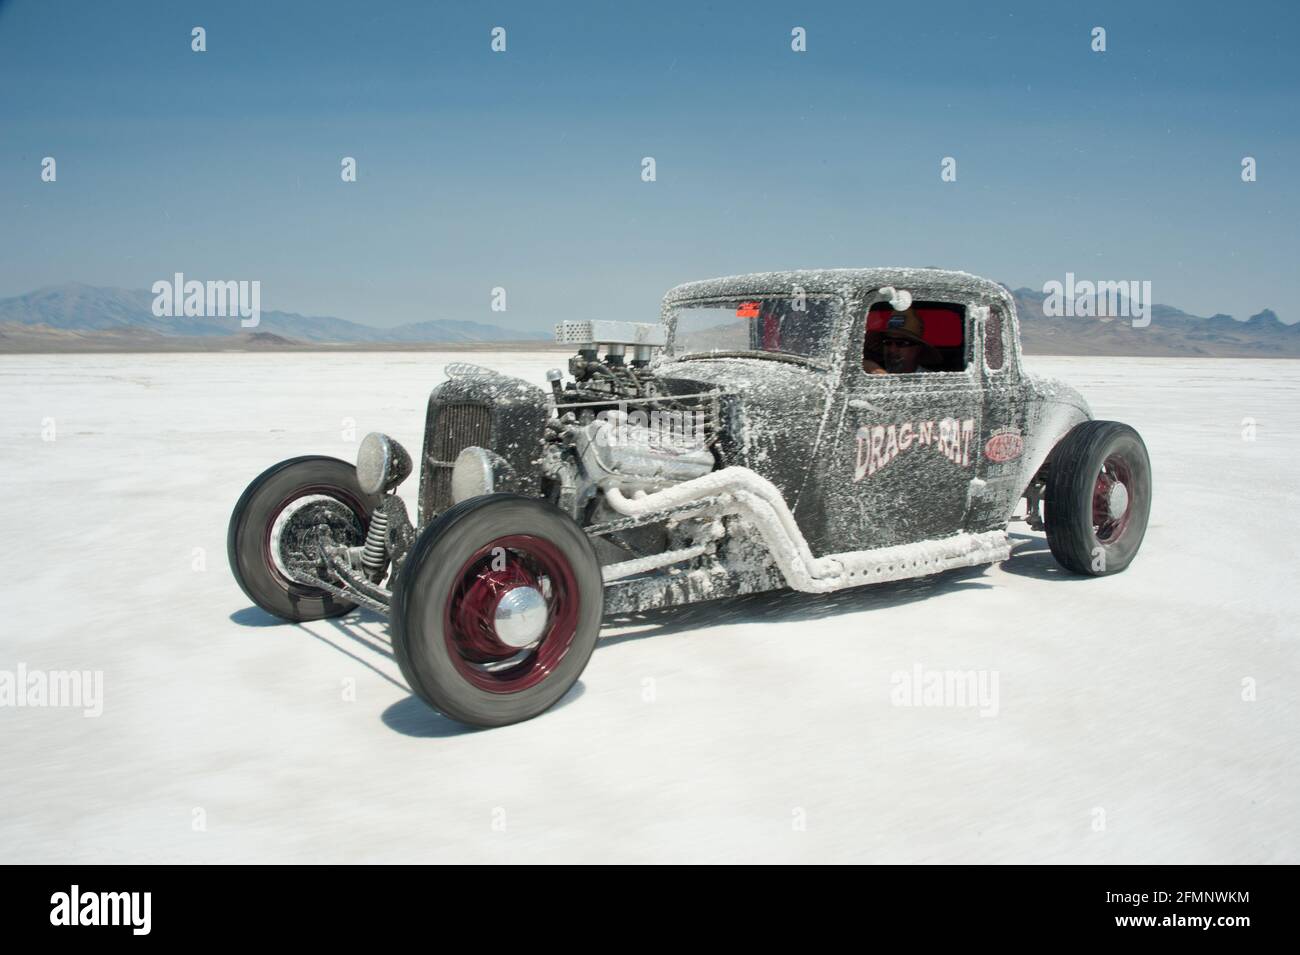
x: 907, y: 325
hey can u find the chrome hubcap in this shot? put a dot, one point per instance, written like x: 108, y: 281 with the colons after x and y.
x: 520, y: 617
x: 1117, y: 501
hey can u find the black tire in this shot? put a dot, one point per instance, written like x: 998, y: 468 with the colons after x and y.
x: 1083, y: 529
x: 252, y: 521
x: 442, y: 581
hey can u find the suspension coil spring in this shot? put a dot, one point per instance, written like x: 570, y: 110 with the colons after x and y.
x: 374, y: 556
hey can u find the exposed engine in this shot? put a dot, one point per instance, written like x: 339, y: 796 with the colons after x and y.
x: 616, y: 425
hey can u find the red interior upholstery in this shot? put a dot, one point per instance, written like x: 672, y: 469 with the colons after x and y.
x: 944, y: 324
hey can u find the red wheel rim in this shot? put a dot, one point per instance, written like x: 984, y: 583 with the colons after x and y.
x: 518, y: 560
x: 1107, y: 526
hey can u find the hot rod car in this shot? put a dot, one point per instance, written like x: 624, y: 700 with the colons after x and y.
x: 739, y: 445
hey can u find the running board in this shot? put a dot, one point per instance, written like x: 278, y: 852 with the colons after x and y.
x: 917, y: 560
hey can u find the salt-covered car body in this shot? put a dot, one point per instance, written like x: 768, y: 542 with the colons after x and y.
x: 741, y: 444
x: 862, y: 461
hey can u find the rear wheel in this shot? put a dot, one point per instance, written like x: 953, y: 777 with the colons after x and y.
x: 497, y: 609
x: 274, y: 531
x: 1098, y: 498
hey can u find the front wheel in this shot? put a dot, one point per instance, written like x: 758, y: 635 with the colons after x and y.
x: 497, y: 609
x: 1098, y: 498
x: 276, y: 528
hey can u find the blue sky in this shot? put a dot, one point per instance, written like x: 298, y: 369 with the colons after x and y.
x: 522, y: 169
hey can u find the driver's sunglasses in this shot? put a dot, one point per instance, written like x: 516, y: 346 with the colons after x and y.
x: 900, y: 343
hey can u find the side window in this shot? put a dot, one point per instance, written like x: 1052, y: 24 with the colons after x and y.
x: 993, y: 329
x: 929, y: 336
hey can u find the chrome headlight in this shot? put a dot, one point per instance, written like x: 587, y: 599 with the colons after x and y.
x: 476, y: 471
x: 382, y: 464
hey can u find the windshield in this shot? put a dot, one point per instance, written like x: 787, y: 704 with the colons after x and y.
x: 793, y: 327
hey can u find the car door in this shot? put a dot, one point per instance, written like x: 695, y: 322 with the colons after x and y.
x: 1000, y: 466
x: 904, y: 444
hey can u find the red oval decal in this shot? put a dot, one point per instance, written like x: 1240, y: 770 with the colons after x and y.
x: 1004, y: 446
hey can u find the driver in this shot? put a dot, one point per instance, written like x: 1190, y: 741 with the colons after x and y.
x: 900, y: 347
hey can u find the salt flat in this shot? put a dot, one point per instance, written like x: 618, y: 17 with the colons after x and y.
x: 752, y: 730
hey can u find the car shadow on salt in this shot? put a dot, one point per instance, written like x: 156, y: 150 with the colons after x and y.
x: 362, y: 627
x: 409, y: 716
x: 1032, y: 557
x: 413, y: 717
x: 786, y: 606
x: 255, y: 617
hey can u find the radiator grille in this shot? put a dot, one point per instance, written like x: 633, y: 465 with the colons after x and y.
x: 455, y: 429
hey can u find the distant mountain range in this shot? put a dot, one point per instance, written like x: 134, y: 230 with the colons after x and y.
x: 1172, y: 333
x: 76, y: 317
x: 75, y: 312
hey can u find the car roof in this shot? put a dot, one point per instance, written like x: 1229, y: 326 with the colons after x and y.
x: 932, y: 281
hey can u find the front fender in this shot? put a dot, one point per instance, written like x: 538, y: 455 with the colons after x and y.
x: 1054, y: 410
